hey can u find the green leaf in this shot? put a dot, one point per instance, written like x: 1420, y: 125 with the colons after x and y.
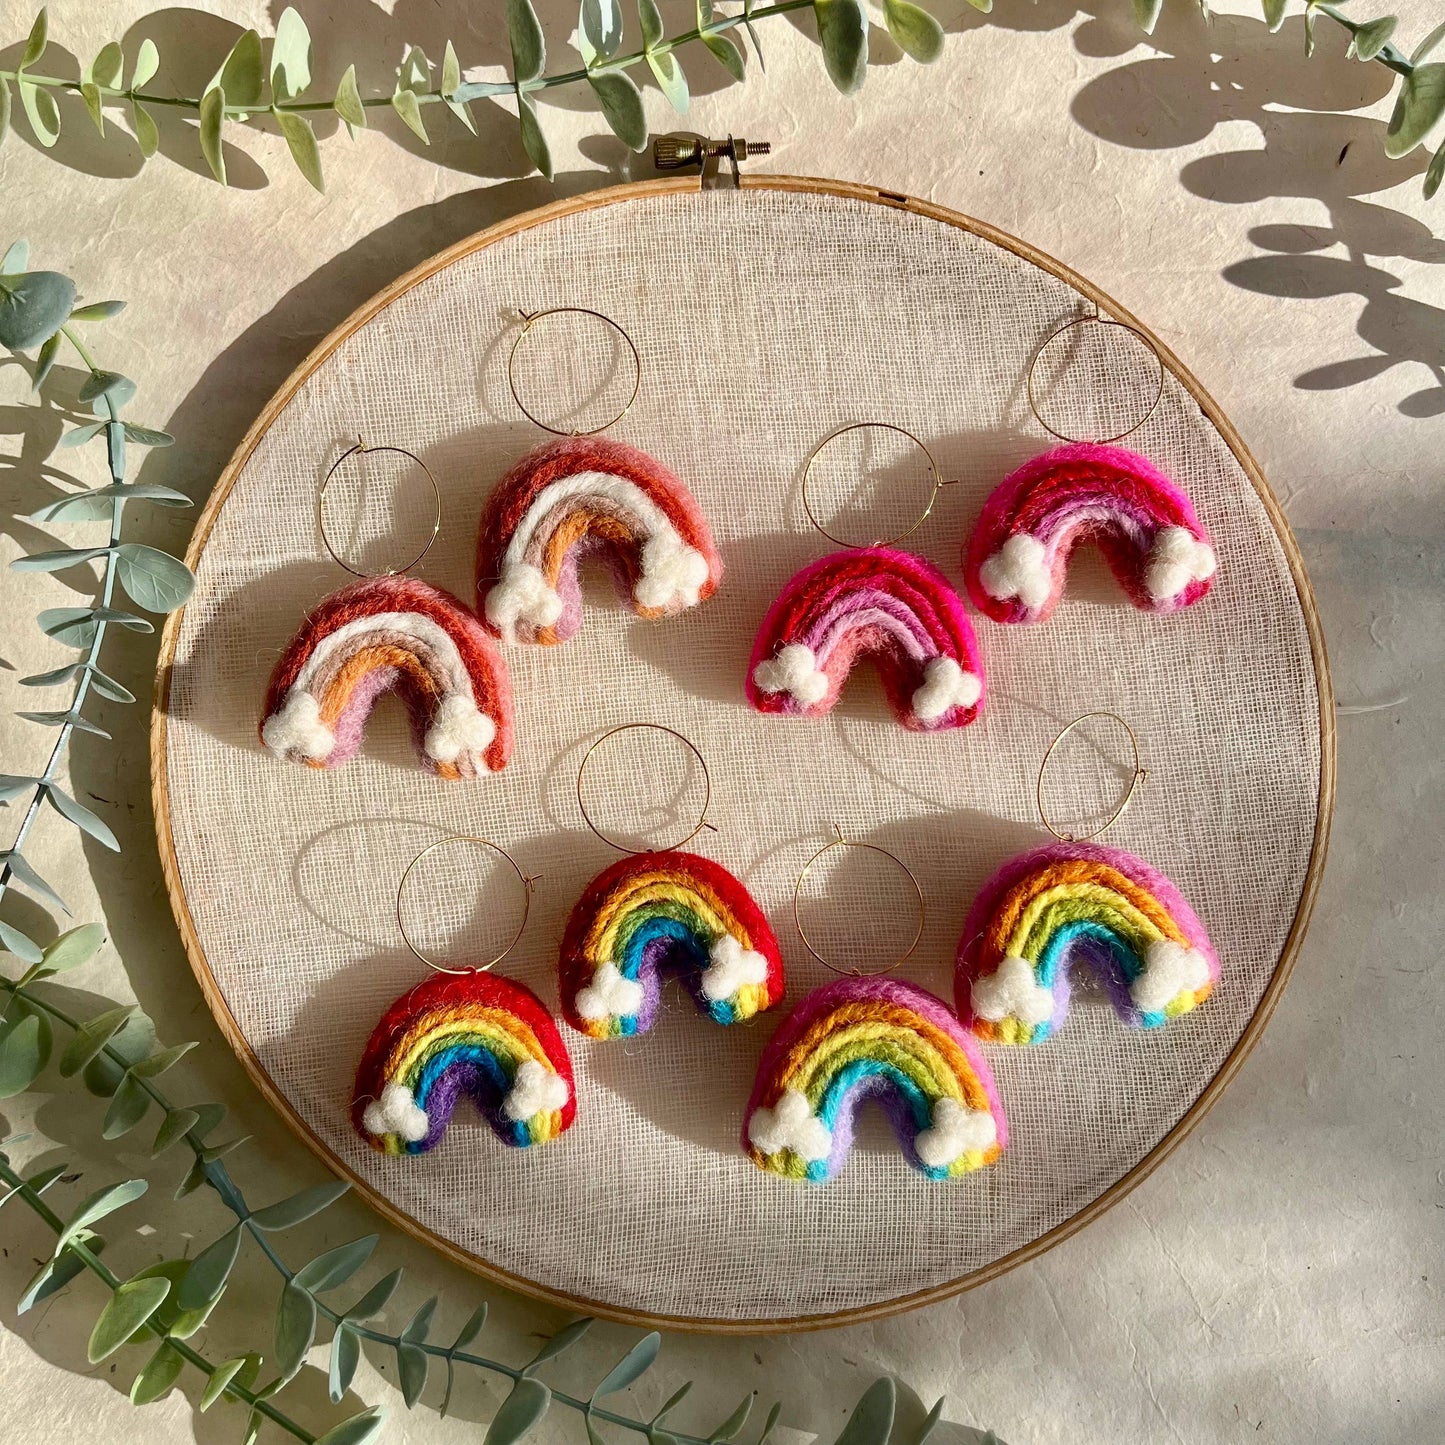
x: 417, y: 1327
x: 212, y: 1152
x: 1436, y: 173
x: 147, y: 134
x: 56, y: 1273
x: 290, y: 56
x: 473, y: 1327
x: 634, y: 1363
x: 97, y: 311
x: 78, y: 436
x: 519, y: 1412
x: 336, y: 1266
x: 97, y: 1206
x: 147, y: 62
x: 33, y: 307
x: 6, y: 108
x: 129, y: 1308
x: 348, y: 102
x: 16, y: 258
x: 27, y: 876
x: 174, y: 1128
x: 108, y: 385
x: 375, y: 1299
x: 735, y: 1422
x: 209, y: 1271
x: 155, y: 1064
x: 1421, y: 103
x: 622, y: 108
x: 412, y: 1363
x: 24, y: 948
x: 345, y: 1353
x: 90, y: 94
x: 25, y: 1041
x: 649, y: 17
x: 128, y: 1107
x: 1416, y: 56
x: 770, y: 1422
x: 301, y: 141
x: 564, y: 1339
x: 451, y: 70
x: 529, y: 49
x: 45, y: 361
x: 108, y: 687
x: 91, y: 1037
x: 74, y: 948
x: 673, y: 1400
x: 195, y: 1177
x: 918, y: 34
x: 872, y: 1419
x: 161, y: 1372
x: 599, y: 29
x: 287, y: 1212
x: 154, y: 579
x: 404, y: 103
x: 59, y: 719
x: 106, y: 68
x: 241, y: 74
x: 212, y: 117
x: 295, y: 1330
x: 97, y: 504
x: 222, y: 1376
x: 41, y: 111
x: 355, y: 1431
x: 724, y: 48
x: 1372, y: 37
x: 82, y: 817
x: 1146, y: 12
x: 930, y: 1424
x: 533, y: 141
x: 57, y: 561
x: 147, y: 436
x: 11, y: 785
x: 667, y: 71
x: 843, y: 35
x: 35, y: 41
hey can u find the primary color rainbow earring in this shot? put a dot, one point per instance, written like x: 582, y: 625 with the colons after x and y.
x: 872, y: 601
x: 463, y: 1031
x: 663, y: 909
x: 390, y: 633
x: 868, y: 1036
x: 1146, y: 527
x: 1076, y: 901
x: 580, y: 495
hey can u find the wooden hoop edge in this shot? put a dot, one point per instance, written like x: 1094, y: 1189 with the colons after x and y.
x: 226, y: 1021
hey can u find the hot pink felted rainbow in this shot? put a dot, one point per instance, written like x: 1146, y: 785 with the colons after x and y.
x: 1145, y: 526
x: 876, y: 602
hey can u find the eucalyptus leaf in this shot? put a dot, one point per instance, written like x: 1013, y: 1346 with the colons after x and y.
x: 16, y: 258
x: 212, y: 1152
x: 155, y: 1064
x: 160, y: 1373
x: 6, y: 107
x: 114, y: 438
x: 533, y: 140
x: 76, y: 626
x: 174, y: 1128
x: 1147, y: 12
x: 33, y: 307
x: 23, y: 947
x: 1416, y: 56
x: 96, y: 504
x: 56, y: 1273
x: 90, y: 94
x: 412, y: 1364
x: 295, y: 1330
x: 128, y: 1106
x: 843, y: 36
x: 128, y: 1309
x: 82, y: 817
x: 146, y: 436
x: 724, y: 48
x: 451, y: 70
x: 930, y: 1424
x: 404, y: 103
x: 770, y: 1422
x: 242, y: 75
x: 11, y: 786
x: 918, y: 34
x: 97, y: 311
x: 734, y: 1423
x: 564, y: 1339
x: 102, y: 1075
x: 211, y: 117
x: 1436, y: 173
x: 147, y: 62
x: 376, y: 1298
x: 667, y: 71
x: 1420, y: 104
x: 78, y: 436
x: 290, y: 56
x: 108, y: 687
x: 633, y: 1364
x: 57, y: 561
x: 210, y: 1270
x: 287, y: 1212
x: 519, y: 1412
x: 600, y: 27
x: 673, y: 1400
x: 90, y: 1038
x: 147, y: 134
x: 871, y: 1422
x: 473, y: 1327
x: 195, y: 1177
x: 336, y: 1266
x: 41, y: 111
x: 1372, y: 37
x: 222, y: 1376
x: 301, y: 141
x: 74, y: 948
x: 62, y: 719
x: 109, y: 386
x: 649, y: 17
x: 345, y: 1354
x: 25, y: 1041
x: 45, y: 361
x: 106, y: 68
x: 355, y: 1431
x: 35, y: 41
x: 529, y: 49
x: 417, y: 1327
x: 26, y: 874
x: 154, y: 579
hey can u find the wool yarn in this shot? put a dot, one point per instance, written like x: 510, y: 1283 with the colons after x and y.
x: 386, y: 634
x: 579, y: 496
x: 475, y: 1033
x: 877, y: 602
x: 649, y: 911
x: 1056, y: 905
x: 862, y: 1038
x: 1016, y: 559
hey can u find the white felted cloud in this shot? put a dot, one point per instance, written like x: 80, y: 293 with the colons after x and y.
x: 611, y: 994
x: 396, y: 1112
x: 795, y: 671
x: 673, y: 574
x: 790, y: 1124
x: 522, y: 595
x: 459, y: 727
x: 1018, y: 569
x: 732, y: 966
x: 1169, y: 970
x: 534, y: 1090
x: 945, y: 685
x: 1012, y: 991
x: 957, y: 1130
x: 297, y: 728
x: 1176, y: 559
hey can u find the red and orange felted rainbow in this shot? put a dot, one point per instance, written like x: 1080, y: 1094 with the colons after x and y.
x: 874, y: 601
x: 574, y: 497
x: 652, y: 910
x: 386, y: 633
x: 474, y: 1033
x: 1154, y: 544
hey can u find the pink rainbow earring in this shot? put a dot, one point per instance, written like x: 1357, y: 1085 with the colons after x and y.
x: 875, y: 601
x: 581, y: 495
x: 1017, y: 557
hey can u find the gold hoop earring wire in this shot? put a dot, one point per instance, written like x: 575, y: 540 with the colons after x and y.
x: 1139, y: 775
x: 839, y: 841
x: 529, y: 319
x: 702, y: 822
x: 362, y: 449
x: 938, y: 483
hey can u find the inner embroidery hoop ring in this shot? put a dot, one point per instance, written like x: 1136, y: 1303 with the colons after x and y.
x: 175, y: 737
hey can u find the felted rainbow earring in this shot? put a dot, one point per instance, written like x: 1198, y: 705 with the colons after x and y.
x: 664, y: 909
x: 866, y: 1036
x: 1146, y: 527
x: 390, y: 633
x: 875, y: 601
x: 463, y: 1031
x: 1076, y: 901
x: 581, y: 495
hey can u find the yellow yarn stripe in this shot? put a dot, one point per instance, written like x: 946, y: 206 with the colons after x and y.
x: 643, y: 889
x: 495, y: 1028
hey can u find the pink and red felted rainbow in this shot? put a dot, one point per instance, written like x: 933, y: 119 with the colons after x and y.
x: 580, y: 496
x: 383, y: 634
x: 1146, y: 527
x: 877, y: 602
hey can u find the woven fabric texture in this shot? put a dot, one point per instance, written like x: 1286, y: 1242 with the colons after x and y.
x: 797, y: 314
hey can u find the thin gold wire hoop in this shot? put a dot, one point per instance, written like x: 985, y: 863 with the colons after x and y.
x: 702, y: 822
x: 1140, y: 774
x: 938, y: 482
x: 1095, y: 320
x: 839, y: 841
x: 526, y: 882
x: 529, y: 319
x: 362, y: 449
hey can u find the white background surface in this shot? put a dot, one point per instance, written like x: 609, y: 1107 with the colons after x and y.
x: 1279, y: 1279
